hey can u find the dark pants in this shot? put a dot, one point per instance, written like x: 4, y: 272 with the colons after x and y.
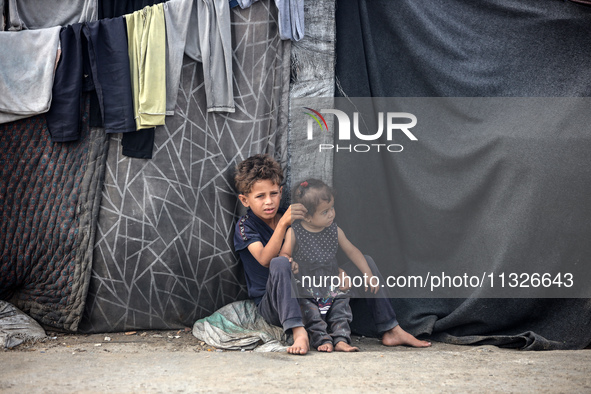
x: 94, y: 57
x: 332, y: 327
x: 277, y: 306
x: 380, y: 306
x: 139, y: 143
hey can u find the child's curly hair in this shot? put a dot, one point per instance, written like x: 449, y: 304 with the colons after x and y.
x: 310, y: 192
x: 257, y: 168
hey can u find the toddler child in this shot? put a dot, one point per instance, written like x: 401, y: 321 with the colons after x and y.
x: 312, y: 243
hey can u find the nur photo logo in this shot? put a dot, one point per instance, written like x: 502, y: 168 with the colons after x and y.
x: 392, y: 123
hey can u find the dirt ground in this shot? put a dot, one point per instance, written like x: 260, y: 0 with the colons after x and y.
x: 175, y: 361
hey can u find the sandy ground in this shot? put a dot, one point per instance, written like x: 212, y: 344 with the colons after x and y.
x: 175, y: 361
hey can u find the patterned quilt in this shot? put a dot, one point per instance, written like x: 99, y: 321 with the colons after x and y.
x: 49, y: 200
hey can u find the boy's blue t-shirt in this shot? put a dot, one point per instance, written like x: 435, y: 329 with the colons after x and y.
x: 250, y: 228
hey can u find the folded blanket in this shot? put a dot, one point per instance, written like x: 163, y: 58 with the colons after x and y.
x: 50, y: 198
x: 26, y: 72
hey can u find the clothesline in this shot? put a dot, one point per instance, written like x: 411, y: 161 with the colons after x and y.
x: 34, y: 14
x: 96, y: 55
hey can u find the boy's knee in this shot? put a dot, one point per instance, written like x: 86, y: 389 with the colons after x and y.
x: 279, y: 264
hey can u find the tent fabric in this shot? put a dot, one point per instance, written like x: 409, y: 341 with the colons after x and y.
x: 312, y: 75
x: 50, y: 196
x: 460, y: 48
x: 163, y: 256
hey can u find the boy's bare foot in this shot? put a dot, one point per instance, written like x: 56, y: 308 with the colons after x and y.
x: 343, y: 346
x: 301, y: 345
x: 325, y: 347
x: 397, y: 336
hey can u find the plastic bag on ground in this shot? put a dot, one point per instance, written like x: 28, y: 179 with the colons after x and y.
x: 238, y: 326
x: 17, y: 327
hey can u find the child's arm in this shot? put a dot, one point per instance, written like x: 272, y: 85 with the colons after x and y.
x: 358, y: 259
x: 287, y: 247
x: 287, y: 250
x: 264, y: 254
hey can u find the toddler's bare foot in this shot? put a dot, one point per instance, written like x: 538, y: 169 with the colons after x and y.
x: 397, y: 336
x: 345, y: 347
x: 325, y: 347
x: 301, y: 345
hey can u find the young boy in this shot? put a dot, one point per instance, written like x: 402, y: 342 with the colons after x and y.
x: 258, y: 238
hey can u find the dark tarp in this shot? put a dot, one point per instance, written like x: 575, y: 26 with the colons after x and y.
x: 461, y: 48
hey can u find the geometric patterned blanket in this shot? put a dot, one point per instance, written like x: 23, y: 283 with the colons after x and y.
x: 164, y: 254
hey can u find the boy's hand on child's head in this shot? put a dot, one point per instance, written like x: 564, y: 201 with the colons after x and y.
x: 286, y: 218
x: 298, y: 211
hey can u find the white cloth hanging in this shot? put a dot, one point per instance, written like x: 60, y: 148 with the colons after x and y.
x: 27, y: 68
x: 37, y: 14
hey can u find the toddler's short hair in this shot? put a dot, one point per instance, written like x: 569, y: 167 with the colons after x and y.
x: 311, y: 192
x: 257, y: 168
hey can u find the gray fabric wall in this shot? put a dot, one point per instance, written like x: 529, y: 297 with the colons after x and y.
x: 483, y: 194
x: 312, y: 75
x: 164, y: 255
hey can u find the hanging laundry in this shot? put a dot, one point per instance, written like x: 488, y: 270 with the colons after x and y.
x: 146, y: 33
x: 176, y: 16
x: 114, y: 8
x: 36, y: 14
x: 94, y: 57
x: 291, y: 19
x: 138, y: 144
x: 209, y: 41
x: 27, y: 68
x: 63, y: 117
